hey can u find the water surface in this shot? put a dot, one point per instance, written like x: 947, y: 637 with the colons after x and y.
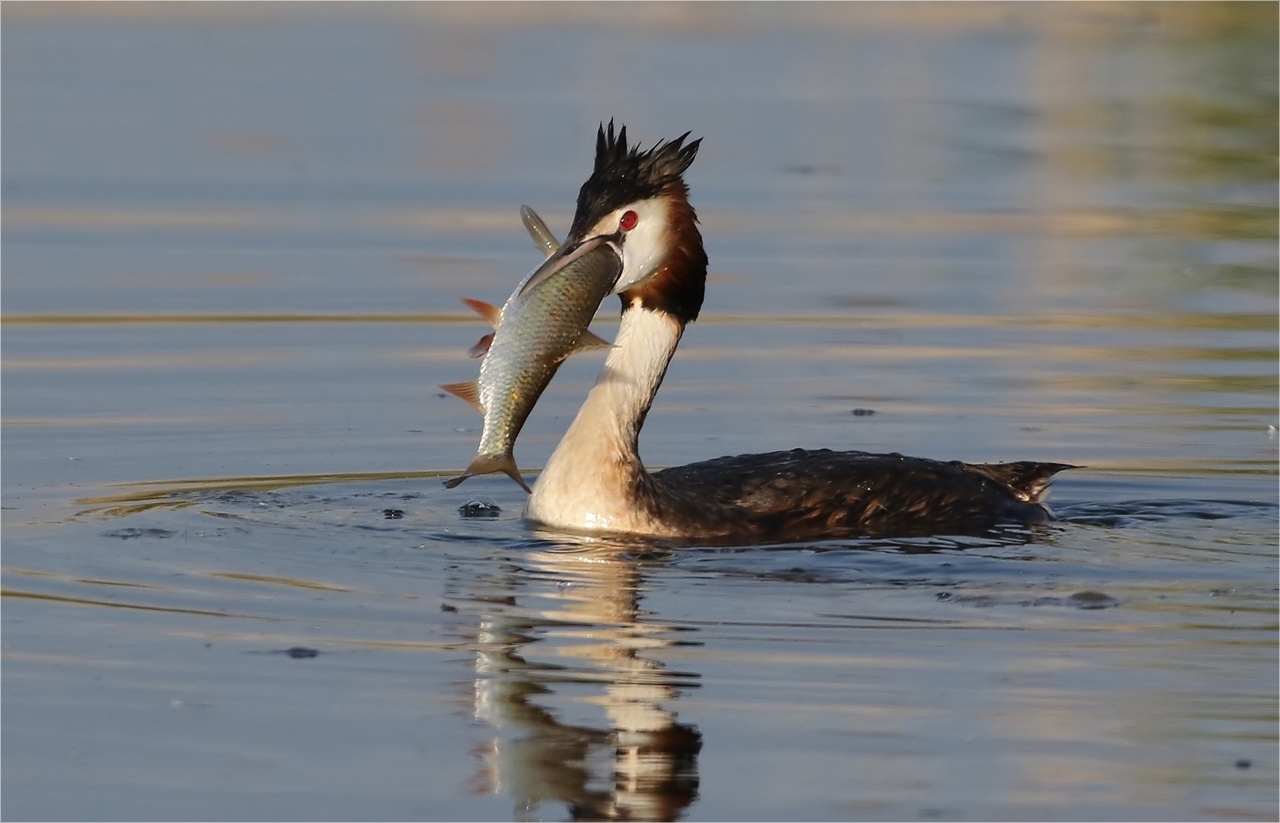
x: 234, y: 239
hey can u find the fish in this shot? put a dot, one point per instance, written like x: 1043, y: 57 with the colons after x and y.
x: 534, y: 331
x: 545, y: 241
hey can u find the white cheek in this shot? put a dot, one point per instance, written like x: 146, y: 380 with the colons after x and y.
x: 645, y: 245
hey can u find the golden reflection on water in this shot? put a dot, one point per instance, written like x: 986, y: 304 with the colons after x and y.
x: 1060, y: 222
x: 273, y: 580
x: 129, y: 319
x: 1263, y: 320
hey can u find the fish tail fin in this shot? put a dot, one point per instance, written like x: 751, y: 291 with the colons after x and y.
x: 487, y: 464
x: 513, y: 472
x: 468, y: 391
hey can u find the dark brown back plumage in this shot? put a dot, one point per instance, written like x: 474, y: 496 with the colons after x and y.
x: 802, y: 493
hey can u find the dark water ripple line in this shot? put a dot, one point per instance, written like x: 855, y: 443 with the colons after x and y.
x: 82, y: 601
x: 1147, y: 512
x: 175, y: 494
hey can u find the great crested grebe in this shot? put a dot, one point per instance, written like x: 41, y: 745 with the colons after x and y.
x: 595, y: 481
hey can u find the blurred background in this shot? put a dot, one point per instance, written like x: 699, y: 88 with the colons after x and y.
x: 234, y: 237
x: 835, y: 134
x: 890, y: 167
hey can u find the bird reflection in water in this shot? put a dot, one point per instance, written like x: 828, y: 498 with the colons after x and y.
x: 583, y: 714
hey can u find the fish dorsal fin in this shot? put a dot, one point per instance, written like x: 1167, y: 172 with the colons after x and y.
x: 482, y: 348
x: 488, y: 311
x: 542, y: 236
x: 589, y: 341
x: 468, y: 391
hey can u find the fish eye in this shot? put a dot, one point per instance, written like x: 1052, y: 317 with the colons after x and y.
x: 628, y: 220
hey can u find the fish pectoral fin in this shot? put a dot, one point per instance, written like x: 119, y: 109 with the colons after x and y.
x: 488, y: 311
x: 542, y: 236
x: 468, y: 391
x: 588, y: 341
x: 482, y: 348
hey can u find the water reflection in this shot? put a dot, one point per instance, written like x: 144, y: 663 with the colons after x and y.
x: 568, y: 676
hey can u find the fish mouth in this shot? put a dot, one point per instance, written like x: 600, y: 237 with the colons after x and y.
x: 565, y: 255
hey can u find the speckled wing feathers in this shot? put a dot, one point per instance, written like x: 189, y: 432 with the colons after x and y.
x: 822, y: 492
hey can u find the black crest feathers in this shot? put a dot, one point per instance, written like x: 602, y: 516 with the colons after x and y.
x: 625, y: 174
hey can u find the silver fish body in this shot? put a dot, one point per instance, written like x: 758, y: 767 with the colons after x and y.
x: 533, y: 334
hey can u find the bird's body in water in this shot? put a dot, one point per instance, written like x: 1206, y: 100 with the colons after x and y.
x: 595, y: 480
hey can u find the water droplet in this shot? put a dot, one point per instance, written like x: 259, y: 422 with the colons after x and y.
x: 479, y: 507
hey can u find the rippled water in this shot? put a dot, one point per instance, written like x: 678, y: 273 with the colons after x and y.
x: 233, y: 242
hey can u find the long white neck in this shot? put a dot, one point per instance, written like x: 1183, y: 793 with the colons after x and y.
x: 591, y: 479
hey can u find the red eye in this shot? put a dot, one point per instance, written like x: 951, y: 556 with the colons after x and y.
x: 629, y: 220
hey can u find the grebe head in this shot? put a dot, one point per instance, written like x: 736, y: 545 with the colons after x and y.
x: 637, y: 203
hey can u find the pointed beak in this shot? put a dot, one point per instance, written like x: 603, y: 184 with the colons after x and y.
x: 564, y: 256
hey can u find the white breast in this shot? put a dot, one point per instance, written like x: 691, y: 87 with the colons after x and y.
x: 590, y: 480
